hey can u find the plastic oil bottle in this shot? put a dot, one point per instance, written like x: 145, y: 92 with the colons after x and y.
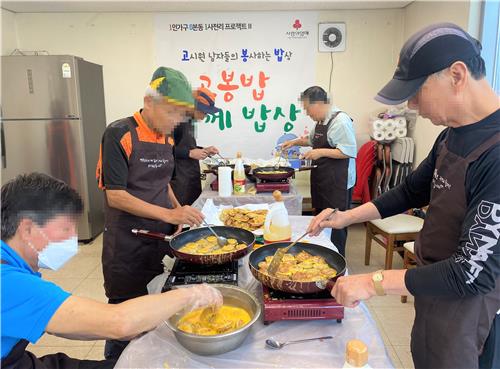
x: 239, y: 177
x: 356, y: 355
x: 277, y: 225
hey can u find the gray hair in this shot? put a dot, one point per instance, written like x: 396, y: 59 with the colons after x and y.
x: 151, y: 92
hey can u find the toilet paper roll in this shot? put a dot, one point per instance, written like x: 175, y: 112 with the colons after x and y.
x: 378, y: 135
x: 389, y: 135
x: 389, y: 124
x: 378, y: 125
x: 400, y: 122
x: 225, y: 182
x: 401, y: 132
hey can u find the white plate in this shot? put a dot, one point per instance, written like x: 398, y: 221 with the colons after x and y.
x: 212, y: 213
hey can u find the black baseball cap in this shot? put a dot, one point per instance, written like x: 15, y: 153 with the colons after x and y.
x: 205, y: 101
x: 428, y: 51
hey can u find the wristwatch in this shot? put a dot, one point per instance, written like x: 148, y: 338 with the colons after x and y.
x: 377, y: 279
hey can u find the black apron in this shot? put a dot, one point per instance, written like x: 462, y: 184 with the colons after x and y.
x: 450, y: 332
x: 186, y: 182
x: 329, y: 179
x: 129, y: 262
x: 19, y: 358
x: 329, y: 182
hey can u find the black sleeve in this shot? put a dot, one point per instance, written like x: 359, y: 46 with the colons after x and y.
x: 474, y: 268
x: 181, y: 151
x: 114, y: 158
x: 414, y: 192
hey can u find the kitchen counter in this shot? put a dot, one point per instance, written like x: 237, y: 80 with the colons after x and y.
x: 160, y: 349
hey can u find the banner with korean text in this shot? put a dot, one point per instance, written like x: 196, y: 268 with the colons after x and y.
x: 257, y: 63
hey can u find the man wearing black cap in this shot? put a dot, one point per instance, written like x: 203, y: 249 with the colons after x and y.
x: 457, y: 283
x: 186, y: 182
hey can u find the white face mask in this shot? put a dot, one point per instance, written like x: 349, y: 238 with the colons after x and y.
x: 56, y: 254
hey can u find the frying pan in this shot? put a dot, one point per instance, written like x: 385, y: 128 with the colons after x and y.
x: 265, y: 173
x: 332, y: 258
x: 192, y: 235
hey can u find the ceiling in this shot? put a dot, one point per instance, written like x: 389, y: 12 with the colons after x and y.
x: 65, y: 6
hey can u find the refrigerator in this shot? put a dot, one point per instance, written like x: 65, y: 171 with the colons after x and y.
x: 52, y: 121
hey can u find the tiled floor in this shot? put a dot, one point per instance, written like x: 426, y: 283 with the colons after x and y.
x: 83, y: 277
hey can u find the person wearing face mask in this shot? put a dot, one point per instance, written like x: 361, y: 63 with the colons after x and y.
x: 334, y: 150
x: 186, y: 182
x: 134, y: 171
x: 39, y: 230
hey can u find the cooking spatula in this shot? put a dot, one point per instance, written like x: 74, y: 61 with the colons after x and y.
x: 278, y: 255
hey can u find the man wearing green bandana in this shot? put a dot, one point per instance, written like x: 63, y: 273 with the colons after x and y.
x: 134, y: 171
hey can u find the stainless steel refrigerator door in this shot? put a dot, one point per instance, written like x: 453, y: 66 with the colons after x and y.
x: 39, y: 87
x: 54, y: 147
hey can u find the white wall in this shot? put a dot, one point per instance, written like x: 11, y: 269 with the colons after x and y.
x: 373, y: 41
x: 9, y: 33
x: 416, y: 16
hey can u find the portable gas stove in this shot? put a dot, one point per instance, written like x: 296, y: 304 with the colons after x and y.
x: 187, y: 273
x: 268, y: 186
x: 286, y: 306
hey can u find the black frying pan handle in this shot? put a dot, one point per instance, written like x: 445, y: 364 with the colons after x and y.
x: 301, y: 169
x: 153, y: 235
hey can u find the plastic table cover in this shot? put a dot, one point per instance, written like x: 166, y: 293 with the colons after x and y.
x: 160, y: 349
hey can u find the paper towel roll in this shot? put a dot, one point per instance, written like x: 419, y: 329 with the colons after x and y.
x: 401, y: 132
x: 400, y: 122
x: 225, y: 182
x: 378, y: 135
x: 377, y: 125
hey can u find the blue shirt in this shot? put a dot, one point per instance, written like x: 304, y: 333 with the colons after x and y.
x: 341, y: 135
x: 28, y: 301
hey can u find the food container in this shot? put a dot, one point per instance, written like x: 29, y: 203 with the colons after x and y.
x: 220, y: 343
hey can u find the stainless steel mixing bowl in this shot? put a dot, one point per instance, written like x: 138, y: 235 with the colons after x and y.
x: 220, y: 343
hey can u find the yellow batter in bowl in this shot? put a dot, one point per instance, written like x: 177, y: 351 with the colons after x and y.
x: 224, y: 320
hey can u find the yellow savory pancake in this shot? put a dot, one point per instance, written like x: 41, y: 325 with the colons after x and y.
x: 243, y: 218
x: 209, y: 246
x: 302, y: 267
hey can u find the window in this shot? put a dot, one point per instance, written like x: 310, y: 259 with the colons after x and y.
x: 491, y: 42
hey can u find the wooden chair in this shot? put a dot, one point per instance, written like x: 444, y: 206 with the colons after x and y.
x: 409, y: 260
x: 390, y: 233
